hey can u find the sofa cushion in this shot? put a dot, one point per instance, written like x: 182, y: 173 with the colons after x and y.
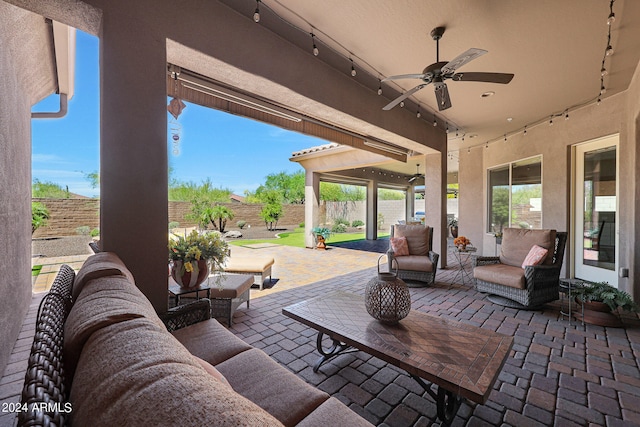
x: 333, y: 413
x: 102, y: 264
x: 103, y: 302
x: 417, y: 238
x: 414, y: 263
x: 210, y: 341
x: 535, y: 256
x: 399, y: 246
x: 257, y: 377
x: 211, y: 370
x: 517, y: 242
x: 502, y: 274
x: 134, y: 373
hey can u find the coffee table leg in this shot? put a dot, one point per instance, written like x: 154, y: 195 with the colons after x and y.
x: 336, y: 349
x: 447, y: 402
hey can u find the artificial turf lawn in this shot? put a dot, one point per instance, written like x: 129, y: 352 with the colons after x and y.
x: 296, y: 238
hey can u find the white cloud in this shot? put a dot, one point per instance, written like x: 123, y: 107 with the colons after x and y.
x: 49, y: 159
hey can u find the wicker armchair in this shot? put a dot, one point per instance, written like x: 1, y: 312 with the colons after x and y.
x: 422, y: 262
x: 511, y: 285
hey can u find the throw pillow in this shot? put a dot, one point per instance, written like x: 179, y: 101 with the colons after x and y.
x: 399, y: 246
x: 535, y: 256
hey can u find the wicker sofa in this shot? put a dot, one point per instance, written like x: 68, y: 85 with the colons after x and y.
x: 513, y: 285
x: 422, y: 261
x: 101, y: 356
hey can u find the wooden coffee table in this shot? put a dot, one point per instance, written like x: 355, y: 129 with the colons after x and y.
x: 460, y: 360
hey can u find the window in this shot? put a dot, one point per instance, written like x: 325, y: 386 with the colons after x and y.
x: 515, y: 195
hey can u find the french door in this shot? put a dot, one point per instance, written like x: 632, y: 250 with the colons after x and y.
x: 596, y: 222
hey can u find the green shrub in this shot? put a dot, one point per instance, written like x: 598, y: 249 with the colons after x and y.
x: 83, y: 230
x: 95, y: 232
x: 339, y: 228
x: 39, y: 216
x: 357, y: 223
x: 343, y: 221
x: 240, y: 224
x: 301, y: 225
x: 173, y: 225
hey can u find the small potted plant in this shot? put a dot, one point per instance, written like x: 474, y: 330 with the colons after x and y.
x: 195, y: 255
x: 321, y: 234
x: 461, y: 242
x: 601, y: 300
x: 453, y: 227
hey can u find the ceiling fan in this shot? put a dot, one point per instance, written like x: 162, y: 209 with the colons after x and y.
x: 438, y: 72
x: 417, y: 174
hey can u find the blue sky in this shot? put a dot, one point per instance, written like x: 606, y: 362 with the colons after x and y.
x: 234, y: 152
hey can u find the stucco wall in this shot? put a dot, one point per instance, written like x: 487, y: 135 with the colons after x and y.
x: 613, y: 115
x: 24, y: 81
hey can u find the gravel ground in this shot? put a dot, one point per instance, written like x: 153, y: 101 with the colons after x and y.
x: 79, y: 245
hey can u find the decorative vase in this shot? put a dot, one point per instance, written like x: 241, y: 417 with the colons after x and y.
x: 387, y: 297
x: 454, y: 231
x: 190, y: 279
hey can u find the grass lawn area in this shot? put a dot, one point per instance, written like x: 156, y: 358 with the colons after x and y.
x: 296, y: 238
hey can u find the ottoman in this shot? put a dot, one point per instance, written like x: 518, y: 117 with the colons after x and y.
x: 256, y: 265
x: 234, y: 289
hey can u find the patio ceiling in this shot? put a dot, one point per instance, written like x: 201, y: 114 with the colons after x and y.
x: 554, y: 48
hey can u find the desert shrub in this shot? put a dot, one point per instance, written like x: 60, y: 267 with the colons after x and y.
x: 343, y: 221
x: 357, y: 223
x: 173, y: 225
x: 39, y: 216
x: 83, y: 230
x: 339, y: 228
x: 301, y: 225
x: 95, y: 232
x: 240, y: 224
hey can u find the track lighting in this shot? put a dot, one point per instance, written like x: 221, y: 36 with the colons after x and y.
x: 525, y: 130
x: 598, y: 101
x: 603, y: 72
x: 256, y: 14
x: 379, y: 87
x: 566, y: 116
x: 418, y: 114
x: 447, y: 127
x: 602, y: 90
x: 435, y: 122
x: 609, y: 51
x: 611, y: 19
x: 402, y: 104
x: 316, y: 52
x: 551, y: 121
x: 353, y: 69
x: 505, y: 137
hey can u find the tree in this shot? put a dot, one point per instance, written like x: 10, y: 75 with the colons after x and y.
x: 221, y: 214
x: 332, y: 192
x: 93, y: 178
x: 386, y: 194
x: 204, y: 192
x: 289, y: 185
x: 48, y: 190
x: 39, y: 216
x: 272, y: 210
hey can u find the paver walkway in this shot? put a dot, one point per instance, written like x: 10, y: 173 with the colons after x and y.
x: 557, y: 374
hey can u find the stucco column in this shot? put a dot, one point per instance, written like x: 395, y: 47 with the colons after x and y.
x: 133, y: 150
x: 435, y: 194
x: 311, y: 205
x: 372, y: 210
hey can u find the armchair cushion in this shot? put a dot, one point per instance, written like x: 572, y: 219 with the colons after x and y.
x: 517, y: 242
x: 501, y: 274
x: 535, y: 256
x: 417, y: 238
x: 399, y: 246
x: 414, y: 263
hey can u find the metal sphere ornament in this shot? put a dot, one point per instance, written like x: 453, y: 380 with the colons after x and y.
x: 387, y: 297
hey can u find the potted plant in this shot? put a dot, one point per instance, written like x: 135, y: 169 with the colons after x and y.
x: 321, y: 234
x: 600, y: 301
x: 195, y: 255
x: 453, y: 227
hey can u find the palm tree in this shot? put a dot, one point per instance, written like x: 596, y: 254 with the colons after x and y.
x: 221, y: 214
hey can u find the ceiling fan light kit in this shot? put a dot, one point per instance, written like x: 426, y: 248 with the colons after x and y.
x: 440, y: 71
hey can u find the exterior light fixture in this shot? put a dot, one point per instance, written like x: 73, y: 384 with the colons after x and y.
x: 256, y: 14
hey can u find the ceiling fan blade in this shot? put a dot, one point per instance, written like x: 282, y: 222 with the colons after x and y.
x: 404, y: 76
x: 502, y: 78
x: 462, y: 59
x: 402, y: 97
x: 413, y: 178
x: 442, y: 95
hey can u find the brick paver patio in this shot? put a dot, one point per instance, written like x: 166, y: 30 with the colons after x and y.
x: 557, y: 374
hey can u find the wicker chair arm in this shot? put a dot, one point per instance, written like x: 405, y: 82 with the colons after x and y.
x: 434, y: 258
x: 187, y: 314
x: 485, y: 260
x: 542, y: 273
